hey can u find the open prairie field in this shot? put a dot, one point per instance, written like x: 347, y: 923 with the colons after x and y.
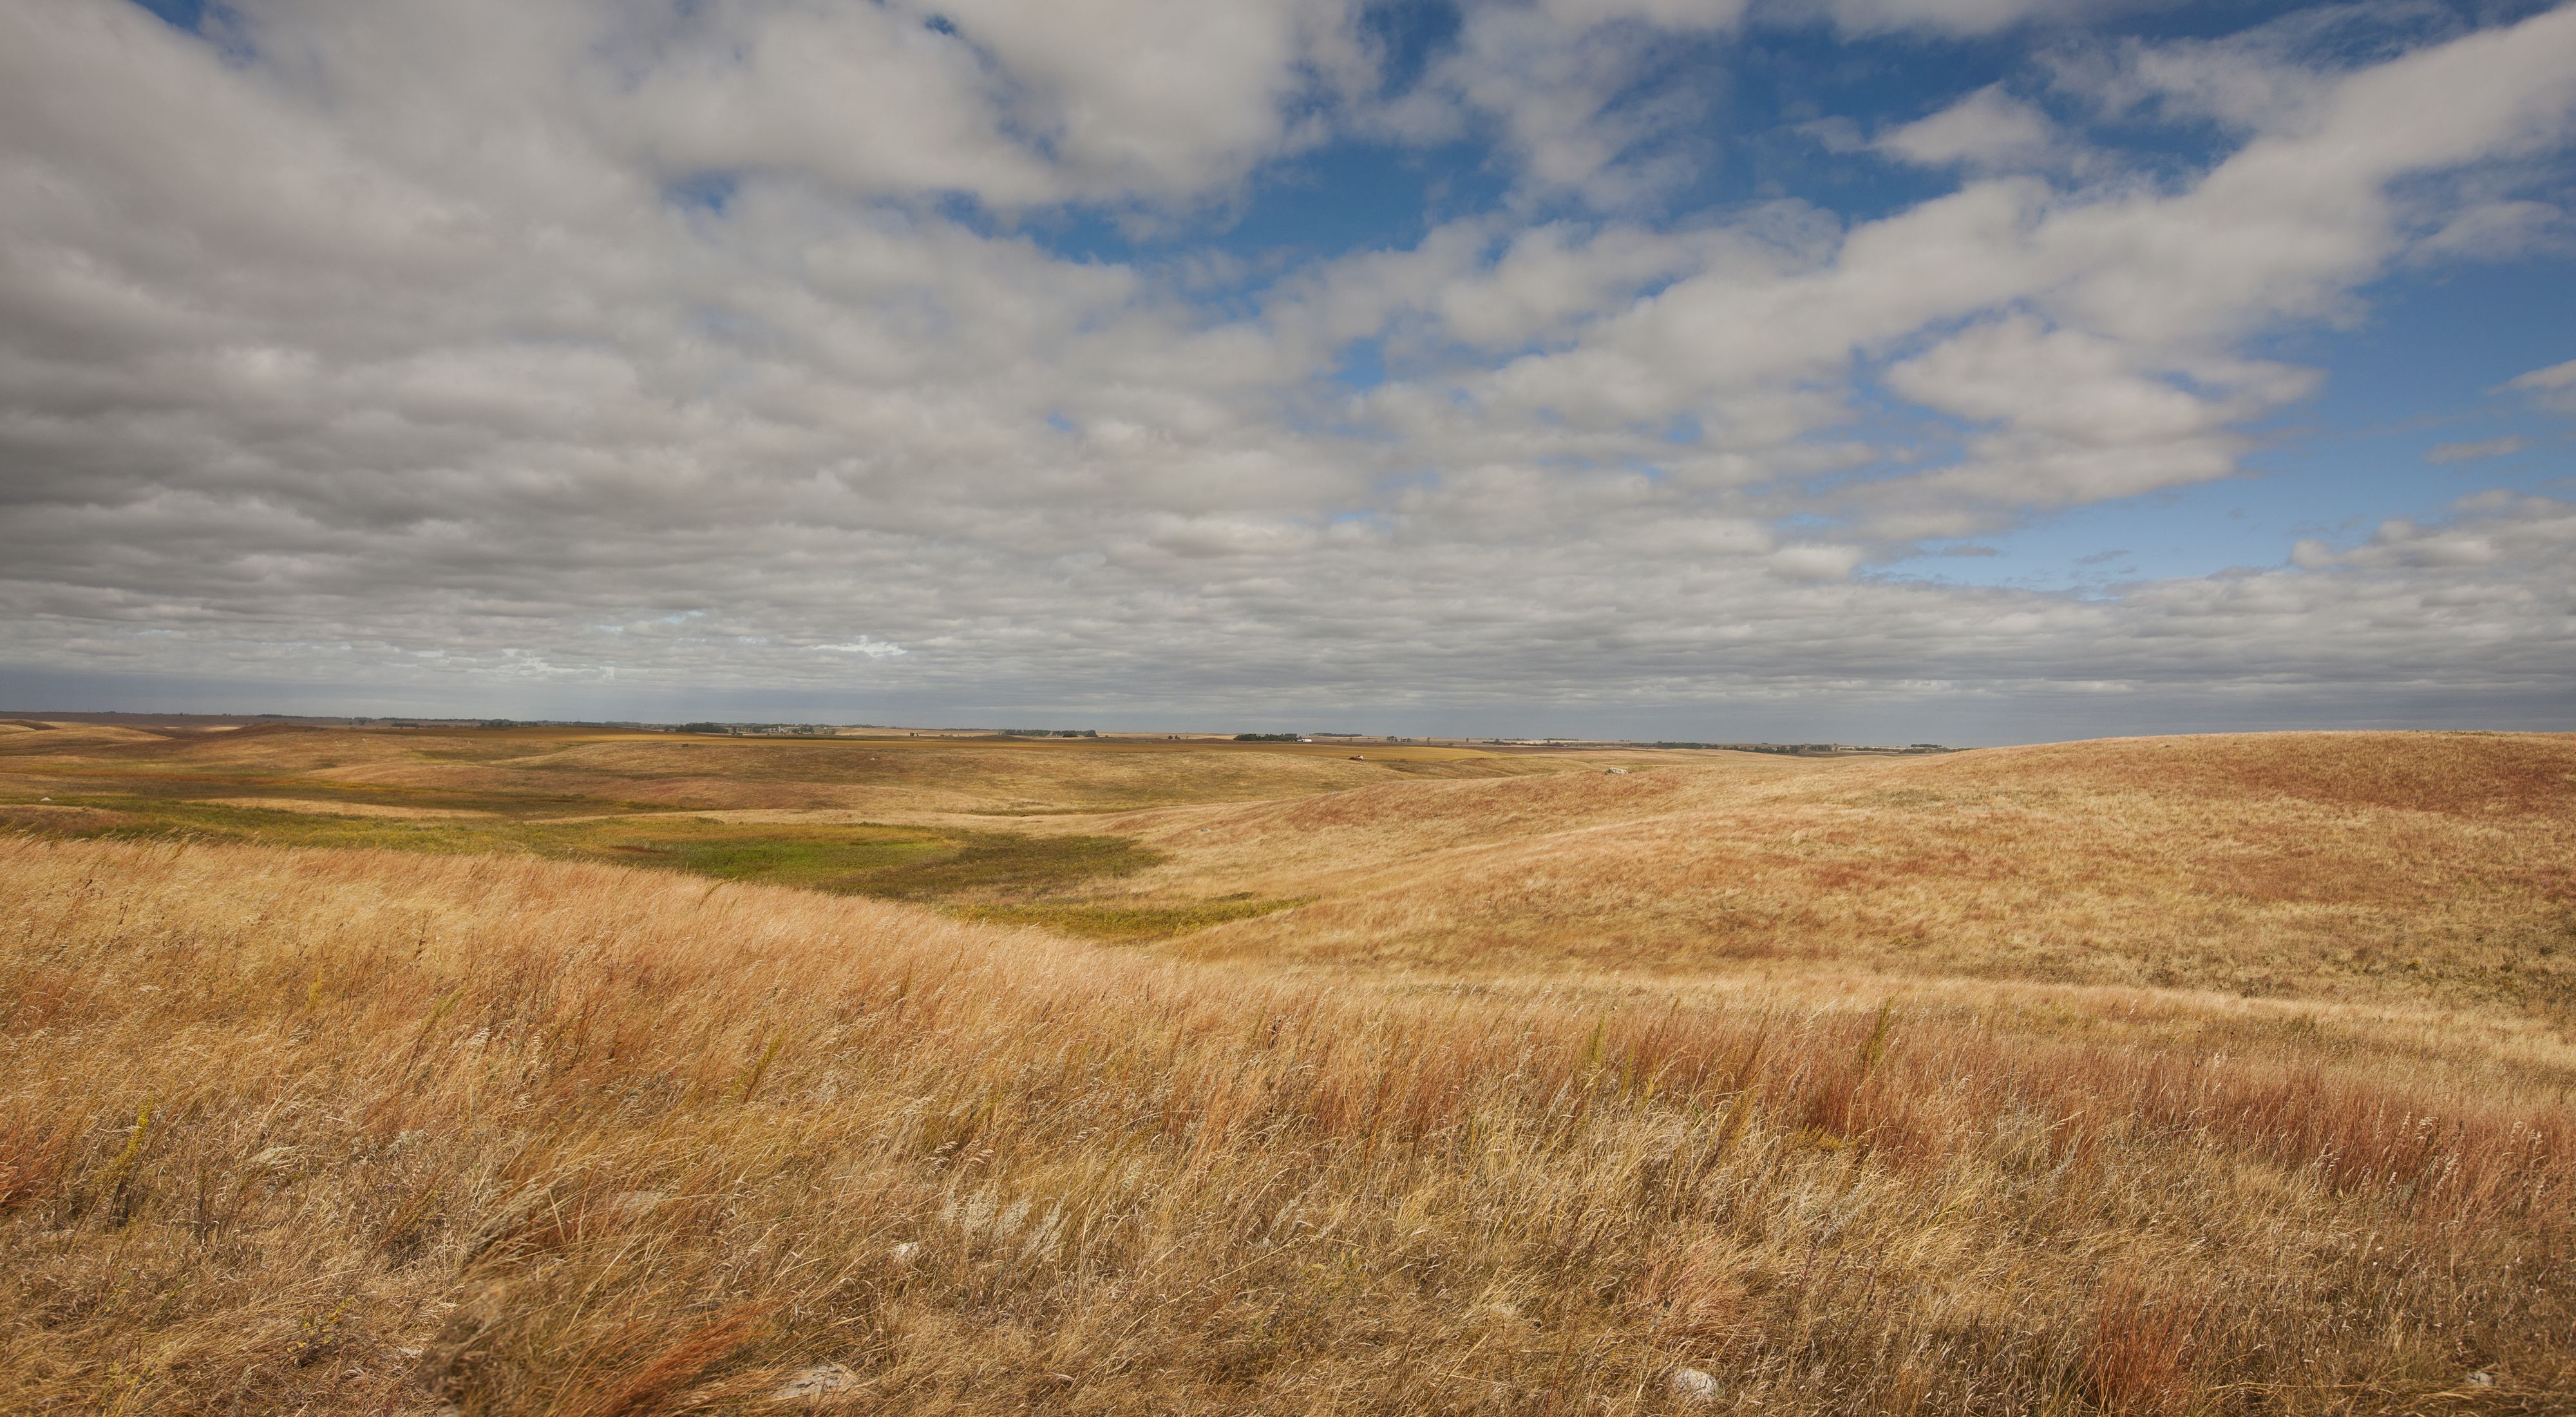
x: 998, y: 826
x: 588, y: 1072
x: 2426, y: 870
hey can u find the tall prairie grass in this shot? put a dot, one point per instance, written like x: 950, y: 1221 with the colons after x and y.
x: 378, y: 1132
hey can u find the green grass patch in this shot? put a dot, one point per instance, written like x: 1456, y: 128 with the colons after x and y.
x: 1118, y: 920
x: 901, y: 863
x: 849, y: 859
x: 988, y: 863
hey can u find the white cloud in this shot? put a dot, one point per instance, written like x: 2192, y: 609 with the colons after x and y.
x: 2552, y: 388
x: 2443, y: 454
x: 2548, y: 380
x: 389, y: 347
x: 1556, y: 81
x: 1816, y: 562
x: 2078, y: 419
x: 1165, y: 95
x: 1666, y: 14
x: 2271, y: 76
x: 2494, y: 231
x: 2058, y: 381
x: 2492, y: 531
x: 867, y: 98
x: 1956, y: 17
x: 1987, y: 129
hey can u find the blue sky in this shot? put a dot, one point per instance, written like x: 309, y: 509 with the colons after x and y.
x: 1976, y: 369
x: 2419, y: 373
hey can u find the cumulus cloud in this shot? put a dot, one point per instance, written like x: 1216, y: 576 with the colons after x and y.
x: 1950, y: 17
x: 568, y: 344
x: 2495, y: 231
x: 2489, y: 530
x: 1558, y: 84
x: 1987, y: 129
x: 2444, y: 454
x: 2552, y: 388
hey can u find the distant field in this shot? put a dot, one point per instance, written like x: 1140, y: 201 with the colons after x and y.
x: 2431, y: 868
x: 2438, y: 869
x: 979, y: 825
x: 542, y: 1071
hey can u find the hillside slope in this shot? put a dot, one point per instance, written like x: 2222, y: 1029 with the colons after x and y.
x: 2387, y: 870
x: 554, y: 770
x: 2439, y: 868
x: 346, y: 1131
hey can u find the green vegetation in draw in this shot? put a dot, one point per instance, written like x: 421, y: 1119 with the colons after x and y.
x: 996, y: 874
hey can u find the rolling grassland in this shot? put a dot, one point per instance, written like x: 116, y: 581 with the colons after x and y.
x: 988, y: 827
x: 2158, y: 1077
x: 2439, y: 869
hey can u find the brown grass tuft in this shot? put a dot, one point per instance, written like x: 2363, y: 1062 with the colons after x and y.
x: 2139, y: 1357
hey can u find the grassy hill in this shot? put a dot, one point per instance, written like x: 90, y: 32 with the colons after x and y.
x: 2358, y: 866
x: 2434, y: 869
x: 2163, y: 1076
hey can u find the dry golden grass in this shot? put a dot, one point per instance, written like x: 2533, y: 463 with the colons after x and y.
x: 2392, y: 867
x: 2161, y: 1076
x: 343, y: 809
x: 620, y: 770
x: 976, y: 822
x: 2389, y: 870
x: 376, y: 1132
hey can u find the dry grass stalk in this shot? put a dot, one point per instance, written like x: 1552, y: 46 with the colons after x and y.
x: 2426, y: 868
x: 538, y: 1137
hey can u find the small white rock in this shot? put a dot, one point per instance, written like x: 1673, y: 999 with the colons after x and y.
x: 821, y: 1380
x: 1690, y: 1385
x: 2482, y: 1379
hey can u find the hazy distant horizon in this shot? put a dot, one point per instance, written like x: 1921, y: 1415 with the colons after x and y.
x: 1961, y: 727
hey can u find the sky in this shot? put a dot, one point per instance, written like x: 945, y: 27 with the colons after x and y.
x: 1963, y: 371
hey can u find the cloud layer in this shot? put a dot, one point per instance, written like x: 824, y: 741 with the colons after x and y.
x: 623, y: 349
